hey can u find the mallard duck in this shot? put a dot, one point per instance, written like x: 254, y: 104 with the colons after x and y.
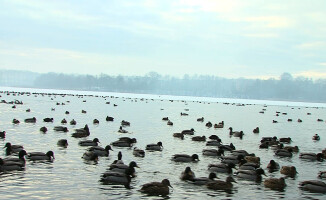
x: 62, y: 143
x: 219, y: 125
x: 64, y: 121
x: 2, y: 134
x: 285, y: 140
x: 290, y: 171
x: 82, y: 132
x: 15, y: 121
x: 157, y: 188
x: 275, y: 183
x: 199, y: 138
x: 188, y: 132
x: 213, y: 152
x: 312, y: 156
x: 240, y: 152
x: 213, y: 143
x: 185, y: 158
x: 100, y: 151
x: 293, y: 149
x: 252, y: 175
x: 252, y: 159
x: 113, y: 177
x: 313, y: 186
x: 248, y: 166
x: 204, y: 180
x: 200, y: 119
x: 256, y: 130
x: 169, y: 123
x: 316, y: 137
x: 96, y: 121
x: 209, y: 124
x: 232, y: 159
x: 13, y: 148
x: 90, y: 155
x: 215, y: 137
x: 20, y: 159
x: 283, y: 153
x: 236, y: 133
x: 138, y: 152
x: 126, y: 142
x: 43, y: 129
x: 109, y: 119
x: 165, y: 118
x: 41, y: 156
x: 221, y: 185
x: 322, y: 174
x: 155, y: 147
x: 93, y: 142
x: 221, y: 168
x: 187, y: 174
x: 178, y: 135
x: 47, y: 119
x: 30, y: 120
x: 121, y: 130
x: 273, y: 166
x: 122, y: 167
x: 73, y: 122
x: 10, y: 165
x: 125, y: 123
x: 60, y: 128
x: 227, y: 147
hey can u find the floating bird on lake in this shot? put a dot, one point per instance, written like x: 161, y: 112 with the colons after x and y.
x: 290, y: 171
x: 187, y: 174
x: 60, y: 128
x: 138, y: 152
x: 157, y: 188
x: 275, y: 183
x: 221, y: 185
x: 62, y: 143
x: 93, y: 142
x: 30, y: 120
x: 41, y: 156
x: 155, y: 147
x: 313, y: 186
x: 185, y: 158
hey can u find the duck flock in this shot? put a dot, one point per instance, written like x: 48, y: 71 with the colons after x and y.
x: 170, y: 155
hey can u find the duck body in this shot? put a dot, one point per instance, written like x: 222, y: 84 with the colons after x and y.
x: 154, y: 147
x: 221, y: 168
x: 313, y: 186
x: 10, y: 165
x: 213, y: 143
x: 188, y: 132
x: 30, y: 120
x: 156, y: 188
x: 85, y: 143
x: 100, y: 151
x: 90, y: 155
x: 221, y: 185
x: 204, y: 180
x: 275, y: 183
x: 187, y: 174
x: 316, y: 137
x: 311, y: 156
x: 199, y: 138
x: 213, y: 152
x: 20, y: 159
x: 290, y: 171
x: 138, y: 152
x: 185, y: 158
x: 273, y: 166
x: 283, y: 153
x: 41, y: 156
x: 60, y: 128
x: 13, y: 148
x: 252, y: 175
x: 122, y: 168
x: 48, y: 119
x: 62, y: 143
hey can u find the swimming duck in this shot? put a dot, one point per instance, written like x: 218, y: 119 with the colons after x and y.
x: 125, y: 123
x: 252, y: 175
x: 322, y: 174
x: 213, y: 143
x: 244, y: 165
x: 290, y: 171
x: 293, y: 149
x: 221, y: 185
x: 124, y: 142
x: 169, y: 123
x: 285, y: 140
x: 219, y: 125
x: 2, y: 134
x: 48, y: 119
x: 73, y: 122
x: 188, y: 132
x: 67, y: 112
x: 235, y: 133
x: 185, y: 158
x: 187, y: 174
x: 165, y: 118
x: 90, y: 155
x: 213, y: 152
x: 155, y: 147
x: 199, y: 138
x: 200, y: 119
x: 232, y: 159
x: 60, y: 128
x: 268, y: 139
x: 316, y: 137
x: 275, y: 183
x: 93, y: 142
x: 13, y: 148
x: 43, y: 129
x: 20, y: 159
x: 100, y: 151
x: 113, y: 177
x: 15, y: 121
x: 240, y: 152
x: 227, y: 147
x: 252, y: 159
x: 183, y: 114
x: 122, y: 167
x: 209, y: 124
x: 221, y: 168
x: 313, y: 186
x: 64, y: 121
x: 157, y: 188
x: 311, y: 156
x: 178, y: 135
x: 62, y: 143
x: 41, y: 156
x: 30, y: 120
x: 273, y: 166
x: 283, y: 153
x: 82, y: 132
x: 204, y: 180
x: 10, y: 166
x: 109, y: 119
x: 96, y: 121
x: 138, y: 152
x: 299, y: 120
x: 215, y: 137
x: 121, y: 130
x: 256, y: 130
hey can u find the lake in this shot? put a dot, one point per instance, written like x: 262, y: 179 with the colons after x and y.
x: 71, y: 177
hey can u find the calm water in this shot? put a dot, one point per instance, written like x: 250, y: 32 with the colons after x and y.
x: 70, y: 177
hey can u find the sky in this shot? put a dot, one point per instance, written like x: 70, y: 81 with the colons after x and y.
x: 225, y: 38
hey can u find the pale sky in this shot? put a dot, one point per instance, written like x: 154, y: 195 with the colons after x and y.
x: 226, y: 38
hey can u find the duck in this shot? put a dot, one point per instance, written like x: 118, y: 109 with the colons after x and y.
x: 43, y: 129
x: 232, y: 159
x: 268, y: 139
x: 299, y: 120
x: 20, y: 159
x: 322, y: 174
x: 109, y: 119
x: 219, y: 125
x: 113, y: 177
x: 213, y: 152
x: 199, y: 138
x: 273, y: 166
x: 213, y: 143
x: 169, y: 123
x: 215, y: 137
x: 187, y: 174
x: 221, y: 185
x: 252, y: 175
x: 138, y: 152
x: 156, y: 188
x: 256, y: 130
x: 227, y: 147
x: 209, y: 124
x: 204, y: 180
x: 283, y: 153
x: 178, y: 135
x: 285, y: 140
x: 93, y: 142
x: 125, y: 123
x: 313, y: 186
x: 244, y: 153
x: 275, y: 183
x: 290, y: 171
x: 236, y: 133
x: 30, y: 120
x: 252, y: 159
x: 47, y: 119
x: 82, y: 132
x: 244, y: 165
x: 155, y: 147
x: 73, y: 122
x: 293, y: 149
x: 64, y: 121
x: 124, y: 142
x: 200, y: 119
x: 185, y: 158
x: 316, y: 137
x: 84, y: 111
x: 188, y: 132
x: 2, y: 134
x: 90, y: 155
x: 221, y: 168
x: 122, y: 167
x: 100, y: 151
x: 165, y: 118
x: 15, y: 121
x: 121, y: 130
x: 96, y: 121
x: 60, y: 128
x: 312, y: 156
x: 62, y: 143
x: 41, y: 156
x: 10, y: 166
x: 13, y: 148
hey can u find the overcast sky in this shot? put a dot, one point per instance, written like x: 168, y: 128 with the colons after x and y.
x: 229, y: 38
